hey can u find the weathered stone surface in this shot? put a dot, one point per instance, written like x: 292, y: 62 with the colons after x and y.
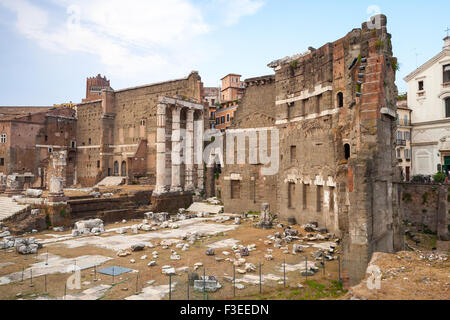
x: 26, y: 246
x: 206, y: 285
x: 33, y: 193
x: 137, y: 247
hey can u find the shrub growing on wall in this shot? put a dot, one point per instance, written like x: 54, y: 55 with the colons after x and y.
x: 439, y: 177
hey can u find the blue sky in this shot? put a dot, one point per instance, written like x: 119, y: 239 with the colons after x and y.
x: 49, y: 47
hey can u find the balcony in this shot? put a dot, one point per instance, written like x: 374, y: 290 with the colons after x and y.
x: 404, y: 123
x: 401, y: 143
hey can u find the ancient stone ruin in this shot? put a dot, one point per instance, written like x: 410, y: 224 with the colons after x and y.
x: 334, y: 111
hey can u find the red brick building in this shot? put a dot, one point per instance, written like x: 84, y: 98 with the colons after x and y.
x: 30, y: 135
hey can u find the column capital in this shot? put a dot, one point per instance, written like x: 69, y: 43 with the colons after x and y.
x: 161, y: 108
x: 176, y: 108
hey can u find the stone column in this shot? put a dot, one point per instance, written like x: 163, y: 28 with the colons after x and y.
x: 160, y: 149
x: 198, y: 134
x: 176, y: 149
x: 189, y: 186
x: 210, y: 188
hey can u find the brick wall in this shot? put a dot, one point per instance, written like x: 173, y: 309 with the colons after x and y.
x: 119, y: 122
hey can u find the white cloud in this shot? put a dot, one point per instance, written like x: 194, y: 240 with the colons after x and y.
x: 135, y: 39
x: 234, y: 10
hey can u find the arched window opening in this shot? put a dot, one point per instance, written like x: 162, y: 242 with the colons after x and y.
x: 123, y: 169
x: 347, y: 151
x: 116, y: 168
x: 340, y: 99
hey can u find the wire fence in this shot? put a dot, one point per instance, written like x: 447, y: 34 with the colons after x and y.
x: 217, y: 280
x: 262, y: 280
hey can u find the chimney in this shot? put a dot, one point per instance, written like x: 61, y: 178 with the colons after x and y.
x: 447, y: 43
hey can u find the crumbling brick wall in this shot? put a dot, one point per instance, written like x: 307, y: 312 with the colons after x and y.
x: 257, y: 110
x: 335, y: 111
x: 421, y: 205
x: 32, y: 138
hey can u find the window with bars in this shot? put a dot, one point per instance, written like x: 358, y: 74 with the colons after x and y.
x: 447, y: 73
x: 421, y: 86
x: 235, y: 189
x: 407, y: 154
x: 3, y: 138
x: 447, y: 108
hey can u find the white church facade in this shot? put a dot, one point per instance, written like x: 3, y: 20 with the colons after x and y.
x: 429, y: 99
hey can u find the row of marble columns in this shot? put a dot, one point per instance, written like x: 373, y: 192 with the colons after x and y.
x: 193, y: 150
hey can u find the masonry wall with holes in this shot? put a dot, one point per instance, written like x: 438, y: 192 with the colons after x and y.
x: 117, y: 133
x: 335, y: 111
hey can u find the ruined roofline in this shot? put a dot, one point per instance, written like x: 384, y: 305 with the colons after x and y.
x: 18, y: 107
x: 231, y: 74
x: 88, y: 102
x: 157, y: 83
x: 20, y: 117
x: 289, y: 59
x: 270, y: 77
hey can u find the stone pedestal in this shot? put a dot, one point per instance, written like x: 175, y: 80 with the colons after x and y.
x: 14, y: 185
x: 265, y: 217
x: 56, y: 190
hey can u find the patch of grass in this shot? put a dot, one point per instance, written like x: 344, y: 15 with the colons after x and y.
x: 379, y: 44
x: 439, y: 177
x: 402, y: 97
x: 426, y: 230
x: 407, y: 197
x: 47, y: 221
x: 395, y: 65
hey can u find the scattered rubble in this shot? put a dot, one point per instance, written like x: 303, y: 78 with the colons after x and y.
x: 87, y: 227
x: 27, y: 246
x: 208, y: 284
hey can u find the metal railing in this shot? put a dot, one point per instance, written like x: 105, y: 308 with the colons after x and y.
x: 403, y: 122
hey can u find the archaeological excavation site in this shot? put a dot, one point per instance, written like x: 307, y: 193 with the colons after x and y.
x: 132, y: 195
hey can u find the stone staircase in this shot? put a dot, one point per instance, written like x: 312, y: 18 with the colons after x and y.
x: 111, y: 182
x: 9, y: 208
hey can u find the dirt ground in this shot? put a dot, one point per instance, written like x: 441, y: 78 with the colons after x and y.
x: 419, y: 274
x: 407, y: 275
x: 323, y: 285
